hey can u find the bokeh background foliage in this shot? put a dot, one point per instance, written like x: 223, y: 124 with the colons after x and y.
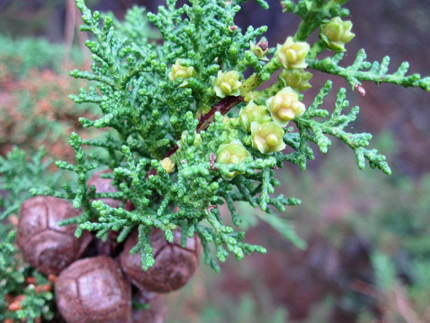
x: 368, y: 234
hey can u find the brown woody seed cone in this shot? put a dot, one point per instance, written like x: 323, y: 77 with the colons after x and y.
x: 45, y: 245
x: 173, y: 266
x: 94, y: 290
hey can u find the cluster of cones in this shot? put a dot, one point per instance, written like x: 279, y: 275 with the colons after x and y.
x: 101, y: 281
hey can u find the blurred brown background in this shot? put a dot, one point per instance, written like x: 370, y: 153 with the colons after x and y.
x: 353, y: 220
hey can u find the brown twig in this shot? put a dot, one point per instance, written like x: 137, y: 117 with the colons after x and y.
x: 223, y: 106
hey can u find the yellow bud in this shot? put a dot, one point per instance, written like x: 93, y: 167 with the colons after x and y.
x: 232, y: 153
x: 285, y: 106
x: 267, y: 137
x: 227, y: 84
x: 336, y: 33
x: 251, y: 113
x: 292, y: 54
x: 297, y: 79
x: 182, y: 71
x: 168, y: 165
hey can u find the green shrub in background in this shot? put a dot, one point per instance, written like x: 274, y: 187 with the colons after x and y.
x: 19, y: 175
x: 23, y: 18
x: 34, y: 108
x: 19, y: 56
x: 176, y: 141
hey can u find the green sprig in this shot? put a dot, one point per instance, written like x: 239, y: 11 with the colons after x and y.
x: 154, y: 116
x: 377, y: 71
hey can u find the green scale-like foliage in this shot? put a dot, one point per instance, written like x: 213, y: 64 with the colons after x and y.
x: 19, y: 175
x: 12, y: 275
x: 155, y: 117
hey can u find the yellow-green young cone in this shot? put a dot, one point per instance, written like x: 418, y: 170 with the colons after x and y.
x: 258, y: 51
x: 292, y: 54
x: 181, y: 71
x: 251, y: 113
x: 168, y: 165
x: 267, y: 137
x: 297, y: 79
x: 336, y: 33
x: 227, y: 84
x: 285, y: 106
x: 232, y: 153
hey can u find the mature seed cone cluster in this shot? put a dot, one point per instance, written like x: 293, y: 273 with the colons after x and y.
x: 95, y: 289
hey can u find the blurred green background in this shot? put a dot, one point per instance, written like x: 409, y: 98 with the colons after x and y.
x: 368, y: 258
